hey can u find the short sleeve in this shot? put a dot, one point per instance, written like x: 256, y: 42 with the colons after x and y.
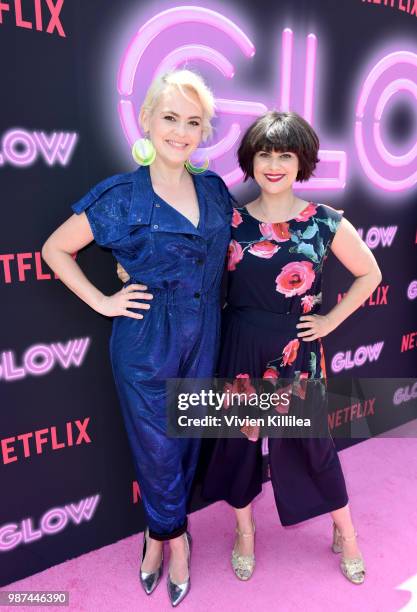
x: 332, y: 220
x: 228, y: 200
x: 107, y: 206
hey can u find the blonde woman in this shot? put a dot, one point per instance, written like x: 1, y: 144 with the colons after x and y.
x: 170, y: 230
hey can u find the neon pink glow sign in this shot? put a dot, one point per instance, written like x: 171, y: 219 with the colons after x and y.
x: 154, y: 49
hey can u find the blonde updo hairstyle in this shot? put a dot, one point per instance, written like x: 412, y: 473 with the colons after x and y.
x: 184, y: 80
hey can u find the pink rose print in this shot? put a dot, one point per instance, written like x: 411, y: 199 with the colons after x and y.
x: 264, y: 249
x: 322, y: 360
x: 242, y: 385
x: 228, y: 390
x: 234, y: 255
x: 284, y: 408
x: 237, y: 218
x: 307, y: 302
x: 295, y: 278
x: 236, y: 387
x: 307, y: 212
x: 275, y: 231
x: 251, y: 432
x: 271, y: 372
x: 289, y: 354
x: 301, y: 385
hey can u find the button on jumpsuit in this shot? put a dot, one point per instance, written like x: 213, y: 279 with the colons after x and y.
x: 178, y: 336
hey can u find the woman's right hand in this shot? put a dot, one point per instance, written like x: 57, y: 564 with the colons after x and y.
x: 116, y: 305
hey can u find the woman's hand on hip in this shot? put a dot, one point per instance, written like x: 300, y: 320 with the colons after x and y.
x: 116, y: 305
x: 313, y: 327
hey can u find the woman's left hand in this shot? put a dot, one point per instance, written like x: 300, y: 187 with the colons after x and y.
x: 313, y: 327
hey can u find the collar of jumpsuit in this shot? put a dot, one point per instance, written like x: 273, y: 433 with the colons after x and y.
x: 147, y: 208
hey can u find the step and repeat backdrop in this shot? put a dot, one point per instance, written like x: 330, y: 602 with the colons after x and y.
x: 73, y: 77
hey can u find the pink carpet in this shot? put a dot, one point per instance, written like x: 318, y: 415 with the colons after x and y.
x: 296, y: 569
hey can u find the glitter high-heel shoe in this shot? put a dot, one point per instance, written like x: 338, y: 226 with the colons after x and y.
x: 177, y: 592
x: 353, y: 569
x: 243, y: 565
x: 150, y: 580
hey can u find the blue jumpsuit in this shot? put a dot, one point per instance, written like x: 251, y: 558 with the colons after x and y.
x: 178, y: 337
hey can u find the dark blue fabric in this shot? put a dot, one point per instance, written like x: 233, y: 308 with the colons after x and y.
x: 178, y: 337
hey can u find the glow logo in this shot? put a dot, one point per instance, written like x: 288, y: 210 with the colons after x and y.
x: 405, y: 394
x: 378, y: 236
x: 412, y: 290
x: 22, y: 148
x: 355, y: 359
x: 40, y: 359
x: 391, y: 78
x: 52, y: 522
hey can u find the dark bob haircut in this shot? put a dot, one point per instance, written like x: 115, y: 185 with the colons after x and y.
x: 280, y: 131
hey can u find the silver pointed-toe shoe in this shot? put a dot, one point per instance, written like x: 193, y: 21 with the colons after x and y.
x: 177, y: 592
x: 150, y: 580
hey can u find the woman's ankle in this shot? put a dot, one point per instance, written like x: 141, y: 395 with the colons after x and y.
x: 178, y: 544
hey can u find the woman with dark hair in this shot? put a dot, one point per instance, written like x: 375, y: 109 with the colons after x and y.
x: 272, y: 329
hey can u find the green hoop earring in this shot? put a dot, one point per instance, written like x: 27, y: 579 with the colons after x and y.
x: 143, y: 152
x: 197, y: 169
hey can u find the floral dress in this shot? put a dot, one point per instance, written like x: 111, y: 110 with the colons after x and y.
x: 275, y: 276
